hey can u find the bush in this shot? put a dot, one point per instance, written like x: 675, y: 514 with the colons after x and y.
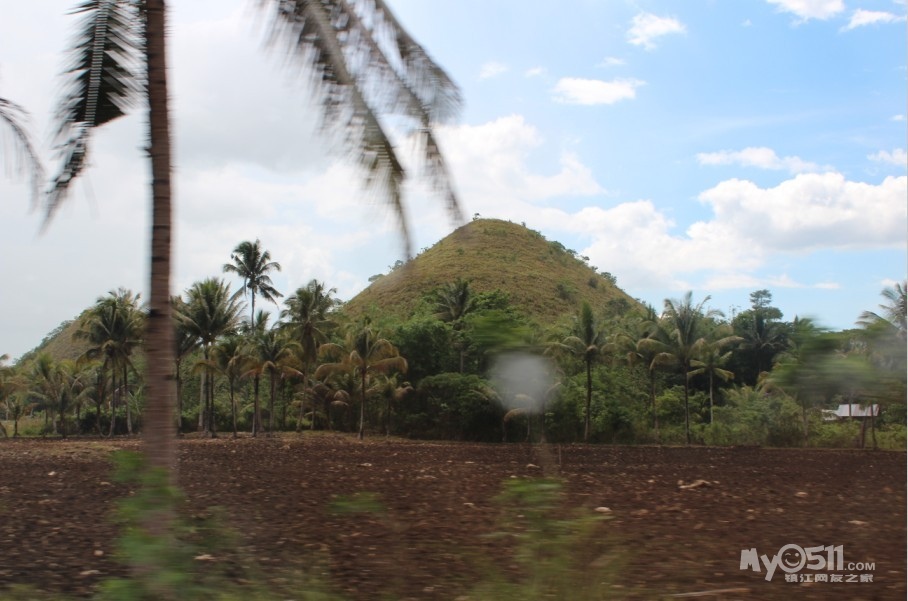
x: 839, y: 435
x: 892, y: 437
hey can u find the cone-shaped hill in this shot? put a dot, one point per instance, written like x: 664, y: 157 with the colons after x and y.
x: 544, y: 280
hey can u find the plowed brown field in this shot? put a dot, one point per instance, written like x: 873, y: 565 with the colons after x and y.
x: 430, y: 537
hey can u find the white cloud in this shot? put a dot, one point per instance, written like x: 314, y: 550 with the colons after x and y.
x: 811, y: 211
x: 535, y: 72
x: 573, y: 90
x: 896, y: 157
x: 761, y: 157
x: 646, y: 27
x: 810, y: 9
x: 748, y: 228
x: 490, y: 164
x: 863, y: 18
x: 492, y: 69
x: 897, y: 118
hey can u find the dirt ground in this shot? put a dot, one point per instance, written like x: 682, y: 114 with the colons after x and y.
x: 430, y: 532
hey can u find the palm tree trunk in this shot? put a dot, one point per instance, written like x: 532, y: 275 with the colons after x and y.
x: 271, y: 405
x: 652, y: 392
x: 126, y: 401
x: 362, y: 409
x: 305, y: 387
x: 100, y: 400
x: 256, y: 417
x: 589, y: 401
x: 212, y: 426
x: 710, y: 397
x: 113, y: 402
x: 179, y: 386
x: 160, y: 443
x: 203, y: 402
x: 252, y: 316
x: 233, y: 408
x: 687, y: 403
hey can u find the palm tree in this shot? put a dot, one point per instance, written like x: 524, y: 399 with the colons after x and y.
x: 185, y: 341
x: 273, y: 354
x: 113, y: 330
x: 364, y: 354
x: 230, y: 359
x: 884, y: 338
x: 587, y: 342
x: 358, y: 82
x: 252, y: 264
x: 643, y: 340
x: 805, y: 371
x: 894, y: 313
x: 393, y: 391
x: 453, y: 302
x: 712, y: 357
x: 74, y: 389
x: 17, y: 405
x: 14, y: 117
x: 45, y: 376
x: 307, y: 317
x: 685, y: 323
x: 763, y: 337
x: 9, y: 384
x: 209, y: 313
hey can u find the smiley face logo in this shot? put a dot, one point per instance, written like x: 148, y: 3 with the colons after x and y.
x: 791, y: 558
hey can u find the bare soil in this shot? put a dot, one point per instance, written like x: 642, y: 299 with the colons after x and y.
x: 431, y: 534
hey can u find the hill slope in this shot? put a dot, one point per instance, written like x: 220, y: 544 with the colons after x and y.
x: 59, y: 343
x: 543, y: 279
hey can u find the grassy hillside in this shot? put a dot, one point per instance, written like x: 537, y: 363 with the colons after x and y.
x: 59, y: 343
x: 544, y: 280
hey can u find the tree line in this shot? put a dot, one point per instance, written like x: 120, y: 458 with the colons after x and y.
x: 685, y: 374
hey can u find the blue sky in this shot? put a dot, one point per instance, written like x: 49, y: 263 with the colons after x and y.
x: 717, y: 146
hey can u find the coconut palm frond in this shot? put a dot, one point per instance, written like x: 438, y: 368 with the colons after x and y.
x: 439, y: 93
x: 104, y: 80
x: 364, y: 66
x: 26, y: 157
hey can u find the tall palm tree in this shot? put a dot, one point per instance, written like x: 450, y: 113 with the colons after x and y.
x: 642, y: 341
x: 253, y: 264
x: 307, y: 317
x: 113, y: 329
x: 46, y: 386
x: 25, y: 159
x: 712, y: 356
x: 894, y: 313
x: 230, y: 359
x: 185, y: 341
x: 252, y: 333
x: 883, y: 339
x: 453, y: 302
x: 272, y: 355
x: 393, y: 391
x: 120, y: 56
x: 806, y: 370
x: 365, y: 354
x: 587, y: 342
x: 210, y: 311
x: 686, y: 324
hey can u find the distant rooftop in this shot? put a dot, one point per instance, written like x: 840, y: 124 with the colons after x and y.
x: 857, y: 410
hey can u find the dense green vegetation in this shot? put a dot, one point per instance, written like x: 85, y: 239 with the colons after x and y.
x: 417, y: 359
